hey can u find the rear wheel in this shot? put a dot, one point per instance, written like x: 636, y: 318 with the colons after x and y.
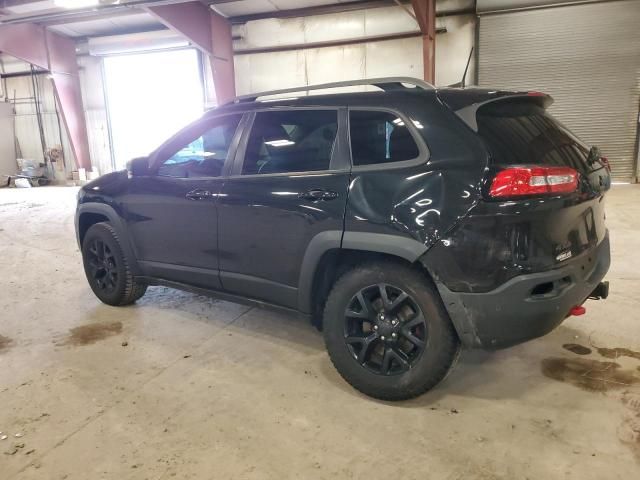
x: 387, y: 332
x: 106, y: 267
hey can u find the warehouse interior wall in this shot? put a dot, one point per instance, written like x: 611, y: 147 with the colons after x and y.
x: 22, y: 91
x: 8, y: 163
x: 357, y: 58
x: 361, y: 54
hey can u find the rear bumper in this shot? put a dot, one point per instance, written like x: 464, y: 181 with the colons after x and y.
x: 527, y: 306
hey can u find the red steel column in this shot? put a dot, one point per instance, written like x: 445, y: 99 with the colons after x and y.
x: 66, y: 83
x: 425, y: 11
x: 209, y: 32
x: 50, y: 51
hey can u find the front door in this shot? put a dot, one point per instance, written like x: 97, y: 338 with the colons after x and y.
x: 290, y: 185
x: 171, y: 213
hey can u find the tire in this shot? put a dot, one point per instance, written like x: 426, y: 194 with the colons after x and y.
x: 424, y: 346
x: 106, y: 267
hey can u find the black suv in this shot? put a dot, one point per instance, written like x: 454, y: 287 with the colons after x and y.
x: 405, y: 223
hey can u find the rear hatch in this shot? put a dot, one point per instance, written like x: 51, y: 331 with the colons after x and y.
x: 544, y: 188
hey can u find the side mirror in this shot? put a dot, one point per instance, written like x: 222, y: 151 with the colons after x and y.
x: 138, y: 167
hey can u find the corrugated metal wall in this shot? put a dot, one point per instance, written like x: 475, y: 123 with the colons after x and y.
x: 586, y: 56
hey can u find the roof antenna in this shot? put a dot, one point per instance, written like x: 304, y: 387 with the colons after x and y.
x: 460, y: 84
x: 466, y: 68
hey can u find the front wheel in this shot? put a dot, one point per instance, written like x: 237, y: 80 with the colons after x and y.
x: 106, y: 267
x: 387, y: 332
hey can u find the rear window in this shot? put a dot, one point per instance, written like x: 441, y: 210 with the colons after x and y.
x: 519, y: 133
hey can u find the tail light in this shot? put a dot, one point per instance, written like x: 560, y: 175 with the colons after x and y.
x: 524, y: 181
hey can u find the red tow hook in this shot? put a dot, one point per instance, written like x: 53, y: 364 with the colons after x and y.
x: 577, y: 310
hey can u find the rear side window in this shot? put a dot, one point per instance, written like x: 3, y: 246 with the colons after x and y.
x: 522, y: 133
x: 291, y: 141
x: 380, y: 137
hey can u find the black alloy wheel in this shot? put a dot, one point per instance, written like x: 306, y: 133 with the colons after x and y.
x: 387, y: 331
x: 384, y: 329
x: 107, y: 267
x: 102, y: 263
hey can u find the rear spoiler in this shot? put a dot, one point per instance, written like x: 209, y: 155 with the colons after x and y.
x: 466, y: 103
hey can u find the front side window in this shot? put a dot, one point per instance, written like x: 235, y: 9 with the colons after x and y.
x: 380, y: 137
x: 291, y: 141
x: 201, y: 153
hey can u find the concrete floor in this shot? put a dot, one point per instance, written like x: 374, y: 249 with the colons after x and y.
x: 210, y: 389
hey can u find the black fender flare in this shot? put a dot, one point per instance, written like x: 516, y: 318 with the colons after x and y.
x: 398, y: 246
x: 117, y: 223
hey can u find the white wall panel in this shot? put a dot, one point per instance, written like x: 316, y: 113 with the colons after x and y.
x: 242, y: 69
x: 8, y: 163
x: 272, y: 32
x: 394, y: 58
x: 388, y: 20
x: 335, y: 64
x: 322, y: 28
x: 263, y: 71
x: 454, y: 5
x: 269, y: 71
x: 453, y: 47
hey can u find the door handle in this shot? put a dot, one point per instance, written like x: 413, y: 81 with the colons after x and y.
x: 318, y: 194
x: 199, y: 194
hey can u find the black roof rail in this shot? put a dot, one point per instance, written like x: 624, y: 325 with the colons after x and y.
x: 384, y: 83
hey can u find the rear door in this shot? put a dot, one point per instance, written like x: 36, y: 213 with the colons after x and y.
x: 288, y: 187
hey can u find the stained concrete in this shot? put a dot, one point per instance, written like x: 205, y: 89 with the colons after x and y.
x: 182, y: 386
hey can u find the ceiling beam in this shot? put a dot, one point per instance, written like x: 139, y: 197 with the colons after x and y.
x: 60, y: 13
x: 89, y: 16
x: 315, y: 10
x: 16, y: 3
x: 208, y: 31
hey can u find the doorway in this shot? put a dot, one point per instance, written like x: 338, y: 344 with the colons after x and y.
x: 150, y: 96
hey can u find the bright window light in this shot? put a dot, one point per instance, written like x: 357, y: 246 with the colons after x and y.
x: 151, y: 96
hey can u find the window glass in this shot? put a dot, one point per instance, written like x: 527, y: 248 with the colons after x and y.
x: 291, y: 141
x: 380, y: 137
x: 525, y: 133
x: 204, y: 155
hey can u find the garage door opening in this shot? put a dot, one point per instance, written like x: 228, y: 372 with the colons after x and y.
x: 150, y: 96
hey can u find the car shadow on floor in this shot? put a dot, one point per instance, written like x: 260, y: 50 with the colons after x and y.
x: 501, y: 374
